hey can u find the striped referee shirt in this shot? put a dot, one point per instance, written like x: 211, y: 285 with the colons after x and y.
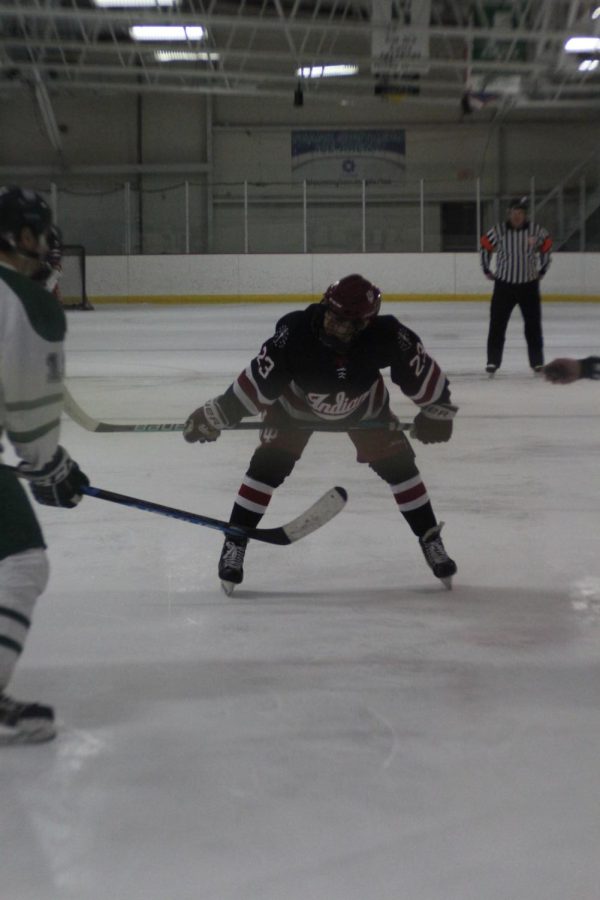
x: 516, y: 250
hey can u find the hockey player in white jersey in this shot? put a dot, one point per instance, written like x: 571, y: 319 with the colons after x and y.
x: 32, y: 329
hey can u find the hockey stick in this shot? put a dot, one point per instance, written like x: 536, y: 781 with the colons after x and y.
x: 326, y: 507
x: 75, y: 412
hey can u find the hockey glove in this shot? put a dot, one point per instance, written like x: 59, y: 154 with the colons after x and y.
x: 433, y: 425
x: 562, y: 371
x: 59, y: 483
x: 204, y: 424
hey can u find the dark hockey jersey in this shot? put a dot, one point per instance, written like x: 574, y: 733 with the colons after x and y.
x: 590, y: 367
x: 306, y: 379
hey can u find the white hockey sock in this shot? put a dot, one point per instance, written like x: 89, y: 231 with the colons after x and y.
x: 23, y: 577
x: 410, y: 494
x: 254, y: 495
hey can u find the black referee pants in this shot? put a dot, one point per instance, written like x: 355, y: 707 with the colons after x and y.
x: 504, y: 299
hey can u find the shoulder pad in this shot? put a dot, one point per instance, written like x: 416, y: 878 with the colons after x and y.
x: 291, y: 319
x: 396, y: 331
x: 45, y: 314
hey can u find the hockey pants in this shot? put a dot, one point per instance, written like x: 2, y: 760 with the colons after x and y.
x: 389, y: 454
x: 504, y: 299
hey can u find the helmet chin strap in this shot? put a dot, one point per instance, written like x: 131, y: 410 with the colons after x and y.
x: 37, y: 256
x: 28, y: 254
x: 333, y: 343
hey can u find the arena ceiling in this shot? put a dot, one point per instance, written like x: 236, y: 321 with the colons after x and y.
x: 504, y: 53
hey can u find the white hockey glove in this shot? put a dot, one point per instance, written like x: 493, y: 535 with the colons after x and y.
x: 433, y: 425
x: 204, y: 424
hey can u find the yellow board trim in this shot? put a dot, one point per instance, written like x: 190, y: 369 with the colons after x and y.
x: 165, y: 299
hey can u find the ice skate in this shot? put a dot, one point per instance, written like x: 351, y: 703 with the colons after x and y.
x: 537, y: 370
x: 25, y: 723
x: 435, y: 554
x: 491, y: 370
x: 231, y: 563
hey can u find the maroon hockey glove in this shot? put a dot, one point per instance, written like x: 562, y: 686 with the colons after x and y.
x: 204, y: 424
x: 433, y: 425
x: 562, y: 371
x: 59, y: 483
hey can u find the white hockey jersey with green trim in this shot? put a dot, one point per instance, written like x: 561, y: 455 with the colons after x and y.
x: 32, y: 331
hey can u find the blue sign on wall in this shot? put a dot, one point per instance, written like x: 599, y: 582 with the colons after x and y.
x: 319, y: 155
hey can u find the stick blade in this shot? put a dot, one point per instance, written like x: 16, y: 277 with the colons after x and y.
x: 75, y: 412
x: 326, y: 508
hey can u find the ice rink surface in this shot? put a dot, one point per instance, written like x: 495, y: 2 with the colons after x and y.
x: 342, y: 728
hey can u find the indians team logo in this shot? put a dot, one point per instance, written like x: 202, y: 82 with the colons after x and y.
x: 268, y: 435
x: 337, y: 407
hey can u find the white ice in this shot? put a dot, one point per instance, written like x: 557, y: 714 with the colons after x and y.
x: 342, y: 728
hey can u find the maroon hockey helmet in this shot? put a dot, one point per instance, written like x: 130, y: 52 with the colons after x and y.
x: 354, y: 298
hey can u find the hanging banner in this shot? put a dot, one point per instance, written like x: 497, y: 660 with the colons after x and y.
x: 348, y: 155
x: 395, y: 50
x: 503, y: 16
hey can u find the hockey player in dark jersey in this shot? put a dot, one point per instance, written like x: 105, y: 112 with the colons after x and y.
x: 323, y: 364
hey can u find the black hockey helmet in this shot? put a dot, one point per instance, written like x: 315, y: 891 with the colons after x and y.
x: 519, y: 203
x: 354, y: 298
x: 21, y: 208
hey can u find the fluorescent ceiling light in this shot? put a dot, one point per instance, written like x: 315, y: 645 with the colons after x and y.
x: 326, y: 71
x: 588, y: 65
x: 167, y: 32
x: 185, y: 56
x: 134, y: 4
x: 583, y: 45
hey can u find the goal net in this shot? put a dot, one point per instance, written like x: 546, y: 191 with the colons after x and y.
x: 72, y: 286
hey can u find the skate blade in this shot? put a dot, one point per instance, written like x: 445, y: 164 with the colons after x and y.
x: 228, y: 587
x: 36, y: 735
x: 447, y: 582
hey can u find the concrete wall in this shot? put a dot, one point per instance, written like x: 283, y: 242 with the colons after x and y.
x: 297, y: 277
x: 110, y: 140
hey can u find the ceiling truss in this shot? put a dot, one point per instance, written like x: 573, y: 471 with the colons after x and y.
x: 508, y: 53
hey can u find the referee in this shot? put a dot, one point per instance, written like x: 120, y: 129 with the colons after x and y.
x: 518, y: 243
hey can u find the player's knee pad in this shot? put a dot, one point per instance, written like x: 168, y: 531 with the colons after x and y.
x: 395, y: 469
x: 23, y: 577
x: 271, y: 466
